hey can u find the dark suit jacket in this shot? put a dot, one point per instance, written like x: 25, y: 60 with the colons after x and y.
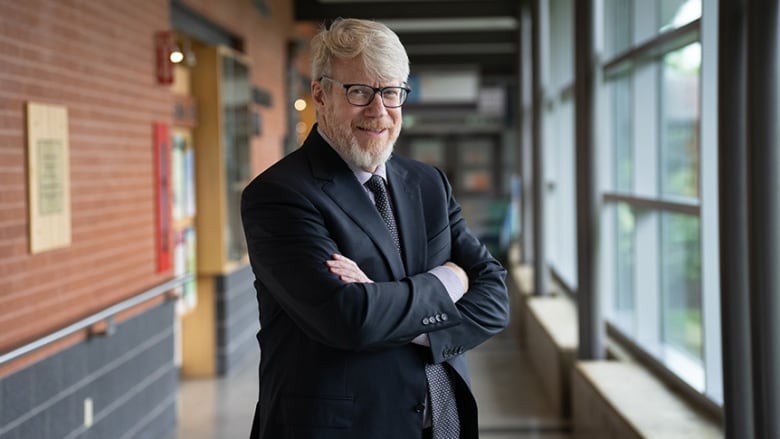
x: 336, y: 358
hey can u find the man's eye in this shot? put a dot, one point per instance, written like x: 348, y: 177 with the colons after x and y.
x: 360, y: 92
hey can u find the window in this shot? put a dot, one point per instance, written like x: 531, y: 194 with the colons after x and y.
x: 558, y: 149
x: 681, y: 284
x: 236, y: 126
x: 625, y: 248
x: 652, y: 220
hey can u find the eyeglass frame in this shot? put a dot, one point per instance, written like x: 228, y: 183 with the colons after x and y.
x: 376, y: 90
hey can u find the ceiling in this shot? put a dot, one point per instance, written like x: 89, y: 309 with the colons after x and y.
x: 479, y: 34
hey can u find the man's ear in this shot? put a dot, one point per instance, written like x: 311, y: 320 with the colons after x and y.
x: 318, y: 93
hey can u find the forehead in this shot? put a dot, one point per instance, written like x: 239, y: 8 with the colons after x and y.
x: 348, y: 67
x: 354, y: 71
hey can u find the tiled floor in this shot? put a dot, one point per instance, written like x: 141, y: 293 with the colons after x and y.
x: 511, y: 402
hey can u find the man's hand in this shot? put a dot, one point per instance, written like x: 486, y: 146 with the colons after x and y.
x: 347, y: 269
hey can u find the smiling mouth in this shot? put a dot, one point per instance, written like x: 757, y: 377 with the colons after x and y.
x: 372, y: 130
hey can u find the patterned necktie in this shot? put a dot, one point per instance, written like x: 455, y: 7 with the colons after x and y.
x: 444, y: 411
x: 377, y: 185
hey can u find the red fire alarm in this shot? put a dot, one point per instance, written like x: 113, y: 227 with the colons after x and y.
x: 163, y: 45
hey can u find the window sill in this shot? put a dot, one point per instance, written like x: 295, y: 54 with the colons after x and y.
x: 621, y: 399
x: 604, y: 398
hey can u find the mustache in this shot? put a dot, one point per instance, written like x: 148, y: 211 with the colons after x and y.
x: 373, y: 125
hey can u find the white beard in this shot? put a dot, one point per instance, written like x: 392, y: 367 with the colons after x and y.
x: 350, y: 150
x: 366, y: 159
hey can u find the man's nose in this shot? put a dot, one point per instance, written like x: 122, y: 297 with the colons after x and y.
x: 377, y: 105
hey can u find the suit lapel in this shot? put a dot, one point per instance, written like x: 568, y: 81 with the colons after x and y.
x: 408, y: 208
x: 340, y: 184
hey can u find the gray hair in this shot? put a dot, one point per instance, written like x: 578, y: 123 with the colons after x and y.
x: 382, y: 52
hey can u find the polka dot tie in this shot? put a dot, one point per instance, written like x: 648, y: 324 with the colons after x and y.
x: 444, y: 411
x: 376, y: 184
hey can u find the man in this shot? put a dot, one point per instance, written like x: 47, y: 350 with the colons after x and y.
x: 365, y: 310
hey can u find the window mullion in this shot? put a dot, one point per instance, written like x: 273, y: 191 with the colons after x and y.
x: 710, y: 242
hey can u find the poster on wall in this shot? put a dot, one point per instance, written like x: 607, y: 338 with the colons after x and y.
x: 184, y: 264
x: 48, y: 172
x: 162, y: 189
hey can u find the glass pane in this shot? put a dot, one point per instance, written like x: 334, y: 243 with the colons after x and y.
x: 622, y: 134
x: 678, y: 13
x: 560, y: 55
x: 625, y: 241
x: 476, y: 164
x: 508, y: 160
x: 429, y: 151
x: 680, y: 122
x: 235, y: 101
x: 618, y: 19
x: 479, y: 180
x: 476, y: 152
x: 681, y: 283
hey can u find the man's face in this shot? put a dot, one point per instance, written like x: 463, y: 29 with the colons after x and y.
x: 363, y: 135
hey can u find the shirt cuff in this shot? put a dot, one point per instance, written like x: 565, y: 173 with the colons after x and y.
x: 422, y: 340
x: 450, y: 280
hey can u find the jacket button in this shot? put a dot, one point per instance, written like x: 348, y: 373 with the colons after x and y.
x: 438, y: 317
x: 425, y: 321
x: 444, y: 316
x: 419, y: 408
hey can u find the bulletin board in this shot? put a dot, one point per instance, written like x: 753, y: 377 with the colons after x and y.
x: 48, y: 171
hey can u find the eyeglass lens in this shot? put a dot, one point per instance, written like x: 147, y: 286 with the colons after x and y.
x: 362, y: 95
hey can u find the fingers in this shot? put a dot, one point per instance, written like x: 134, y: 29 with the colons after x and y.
x: 347, y: 269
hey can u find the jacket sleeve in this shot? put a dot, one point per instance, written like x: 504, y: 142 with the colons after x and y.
x: 289, y: 243
x: 484, y: 309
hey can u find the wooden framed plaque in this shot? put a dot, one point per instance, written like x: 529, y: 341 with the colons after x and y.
x: 48, y: 171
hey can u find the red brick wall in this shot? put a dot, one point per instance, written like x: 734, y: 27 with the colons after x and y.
x: 97, y: 59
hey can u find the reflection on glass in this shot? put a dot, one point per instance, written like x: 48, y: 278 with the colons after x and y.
x: 678, y: 13
x: 680, y: 122
x: 624, y: 264
x: 681, y: 283
x: 622, y: 134
x: 236, y: 97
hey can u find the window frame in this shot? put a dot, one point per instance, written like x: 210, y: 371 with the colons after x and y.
x: 640, y: 62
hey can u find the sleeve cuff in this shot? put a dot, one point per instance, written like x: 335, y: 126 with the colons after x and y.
x: 450, y: 280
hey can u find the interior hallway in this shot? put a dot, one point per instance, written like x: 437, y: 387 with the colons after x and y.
x: 511, y: 400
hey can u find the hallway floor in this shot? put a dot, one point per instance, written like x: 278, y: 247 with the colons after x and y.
x: 511, y: 401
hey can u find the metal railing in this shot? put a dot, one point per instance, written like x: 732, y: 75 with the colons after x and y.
x: 104, y: 315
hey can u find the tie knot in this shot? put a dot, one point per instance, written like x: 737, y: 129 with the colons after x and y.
x: 376, y: 184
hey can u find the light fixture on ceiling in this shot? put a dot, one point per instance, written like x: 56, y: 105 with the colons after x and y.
x: 466, y: 24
